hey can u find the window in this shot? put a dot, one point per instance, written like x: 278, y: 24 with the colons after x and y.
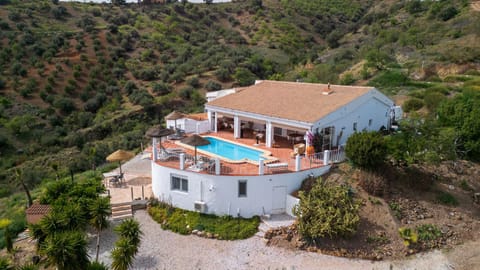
x: 369, y: 122
x: 355, y: 126
x: 242, y: 188
x: 178, y: 182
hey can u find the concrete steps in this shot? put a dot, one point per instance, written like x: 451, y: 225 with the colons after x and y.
x: 121, y: 211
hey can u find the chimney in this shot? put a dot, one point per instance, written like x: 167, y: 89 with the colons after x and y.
x: 327, y: 91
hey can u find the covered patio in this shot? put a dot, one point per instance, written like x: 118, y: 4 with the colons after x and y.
x: 273, y: 134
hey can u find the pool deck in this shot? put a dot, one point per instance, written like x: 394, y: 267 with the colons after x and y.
x: 282, y: 154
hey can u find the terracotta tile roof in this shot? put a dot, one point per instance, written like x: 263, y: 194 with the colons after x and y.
x: 36, y: 212
x: 38, y: 209
x: 197, y: 116
x: 305, y: 102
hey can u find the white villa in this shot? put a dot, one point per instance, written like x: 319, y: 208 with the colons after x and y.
x: 273, y: 117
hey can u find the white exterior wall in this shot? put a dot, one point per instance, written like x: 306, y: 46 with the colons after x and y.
x: 190, y: 125
x: 291, y: 203
x: 220, y: 193
x: 374, y: 105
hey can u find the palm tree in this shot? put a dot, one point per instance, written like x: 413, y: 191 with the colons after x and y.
x: 67, y: 250
x: 127, y: 246
x: 123, y: 254
x: 99, y: 212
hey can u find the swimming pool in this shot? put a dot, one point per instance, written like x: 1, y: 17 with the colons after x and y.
x: 231, y: 151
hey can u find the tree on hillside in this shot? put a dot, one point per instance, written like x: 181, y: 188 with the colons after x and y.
x: 244, y: 76
x: 100, y: 211
x: 19, y: 179
x: 366, y: 149
x: 462, y: 113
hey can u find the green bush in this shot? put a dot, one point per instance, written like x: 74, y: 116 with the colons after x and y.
x: 447, y: 198
x: 428, y: 232
x: 412, y: 104
x: 389, y: 78
x: 213, y: 86
x: 327, y: 210
x: 408, y: 235
x: 366, y: 149
x: 161, y: 88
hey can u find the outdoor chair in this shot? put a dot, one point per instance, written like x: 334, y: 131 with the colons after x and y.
x: 298, y: 149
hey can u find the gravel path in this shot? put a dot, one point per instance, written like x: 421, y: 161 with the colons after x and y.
x: 166, y: 250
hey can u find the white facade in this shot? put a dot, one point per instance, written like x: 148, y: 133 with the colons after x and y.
x: 265, y: 194
x: 190, y: 125
x: 370, y: 112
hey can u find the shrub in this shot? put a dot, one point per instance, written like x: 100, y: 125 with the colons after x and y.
x: 327, y: 210
x: 408, y: 235
x: 213, y: 86
x: 194, y: 82
x: 389, y: 78
x: 366, y: 149
x: 244, y: 77
x: 65, y: 105
x: 222, y: 74
x: 412, y: 104
x: 428, y: 232
x: 161, y: 88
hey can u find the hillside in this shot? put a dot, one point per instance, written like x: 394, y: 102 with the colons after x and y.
x: 80, y: 80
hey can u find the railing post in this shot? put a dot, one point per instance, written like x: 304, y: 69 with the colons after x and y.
x: 326, y: 157
x: 182, y: 161
x: 261, y: 168
x: 217, y: 166
x: 297, y: 163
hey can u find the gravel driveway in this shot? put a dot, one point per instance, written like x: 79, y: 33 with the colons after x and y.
x: 166, y: 250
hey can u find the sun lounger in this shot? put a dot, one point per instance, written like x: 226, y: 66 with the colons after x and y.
x: 277, y: 166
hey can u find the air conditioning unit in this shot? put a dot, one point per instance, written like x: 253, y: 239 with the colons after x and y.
x: 200, y: 206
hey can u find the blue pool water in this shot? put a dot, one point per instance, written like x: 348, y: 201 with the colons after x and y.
x: 230, y: 150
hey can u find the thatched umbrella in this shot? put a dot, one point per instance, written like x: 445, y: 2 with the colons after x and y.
x: 158, y: 132
x: 195, y: 140
x: 120, y: 155
x: 175, y: 115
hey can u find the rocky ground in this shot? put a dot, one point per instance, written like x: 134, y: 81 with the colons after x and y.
x: 401, y: 206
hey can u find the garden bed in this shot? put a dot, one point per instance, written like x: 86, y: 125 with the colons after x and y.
x: 210, y: 226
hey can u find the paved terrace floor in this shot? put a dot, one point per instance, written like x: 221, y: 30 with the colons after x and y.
x: 282, y: 151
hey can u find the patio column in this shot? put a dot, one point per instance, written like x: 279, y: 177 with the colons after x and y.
x: 210, y: 120
x: 236, y: 127
x: 154, y: 149
x: 215, y: 121
x: 305, y: 137
x: 269, y: 134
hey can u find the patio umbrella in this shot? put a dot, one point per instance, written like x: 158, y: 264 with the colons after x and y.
x: 195, y: 140
x: 175, y: 115
x: 159, y: 132
x: 120, y: 155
